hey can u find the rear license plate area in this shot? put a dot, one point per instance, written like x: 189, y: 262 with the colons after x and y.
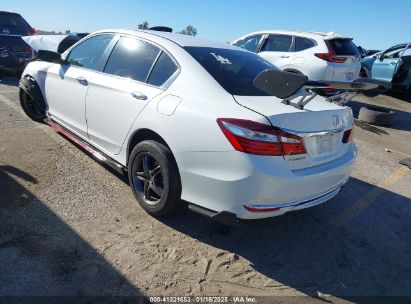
x: 321, y: 144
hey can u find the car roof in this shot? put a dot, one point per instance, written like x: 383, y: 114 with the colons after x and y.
x: 7, y: 12
x: 180, y: 39
x: 323, y: 35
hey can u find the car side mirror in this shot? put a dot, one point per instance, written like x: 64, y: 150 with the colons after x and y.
x: 50, y: 56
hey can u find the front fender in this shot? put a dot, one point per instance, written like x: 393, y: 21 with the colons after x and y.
x: 29, y: 85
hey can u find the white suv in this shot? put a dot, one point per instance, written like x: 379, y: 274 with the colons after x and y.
x: 320, y: 56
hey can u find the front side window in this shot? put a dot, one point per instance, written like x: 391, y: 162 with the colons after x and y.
x: 234, y: 70
x: 302, y: 44
x: 250, y: 43
x: 277, y: 43
x: 89, y: 53
x: 132, y: 58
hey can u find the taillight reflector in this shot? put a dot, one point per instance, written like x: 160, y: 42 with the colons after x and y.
x: 260, y: 139
x: 348, y: 135
x: 253, y: 209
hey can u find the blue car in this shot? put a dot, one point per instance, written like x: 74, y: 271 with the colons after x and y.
x: 14, y: 52
x: 392, y: 65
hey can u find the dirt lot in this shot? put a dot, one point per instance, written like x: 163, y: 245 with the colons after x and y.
x: 69, y: 226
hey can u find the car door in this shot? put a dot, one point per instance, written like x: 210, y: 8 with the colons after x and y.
x: 66, y: 84
x: 117, y: 96
x: 278, y: 49
x: 385, y: 65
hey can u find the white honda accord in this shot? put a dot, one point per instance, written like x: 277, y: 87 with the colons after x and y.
x: 194, y: 122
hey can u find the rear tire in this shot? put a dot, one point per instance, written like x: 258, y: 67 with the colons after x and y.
x: 154, y: 178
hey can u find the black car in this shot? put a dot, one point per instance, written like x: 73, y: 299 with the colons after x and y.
x: 14, y: 52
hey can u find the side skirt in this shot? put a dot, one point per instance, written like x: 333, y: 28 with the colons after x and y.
x: 97, y: 154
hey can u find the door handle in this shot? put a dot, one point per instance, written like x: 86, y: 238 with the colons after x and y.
x: 284, y: 56
x: 82, y: 80
x: 393, y: 62
x: 139, y: 95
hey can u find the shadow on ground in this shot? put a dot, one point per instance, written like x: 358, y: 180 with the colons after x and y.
x: 402, y: 119
x: 403, y: 95
x: 347, y: 247
x: 43, y: 256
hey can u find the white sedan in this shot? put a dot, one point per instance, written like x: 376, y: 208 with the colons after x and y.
x: 191, y: 123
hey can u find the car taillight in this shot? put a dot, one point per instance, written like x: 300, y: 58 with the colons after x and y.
x: 256, y: 138
x: 347, y: 137
x: 32, y: 31
x: 330, y: 57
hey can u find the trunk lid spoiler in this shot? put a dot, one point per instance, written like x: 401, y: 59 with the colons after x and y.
x: 290, y: 86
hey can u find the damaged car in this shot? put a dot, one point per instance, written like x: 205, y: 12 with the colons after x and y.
x: 198, y: 123
x: 392, y: 65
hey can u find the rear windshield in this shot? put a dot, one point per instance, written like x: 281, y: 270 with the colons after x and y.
x: 233, y: 70
x: 12, y: 20
x: 344, y: 47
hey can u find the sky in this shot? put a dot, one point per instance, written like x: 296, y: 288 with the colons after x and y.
x: 373, y: 24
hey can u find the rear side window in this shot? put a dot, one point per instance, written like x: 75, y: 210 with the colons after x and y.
x: 89, y: 53
x: 277, y: 43
x: 162, y: 70
x: 250, y: 43
x: 343, y: 47
x: 234, y: 70
x: 132, y: 58
x: 302, y: 44
x: 12, y: 20
x: 13, y: 24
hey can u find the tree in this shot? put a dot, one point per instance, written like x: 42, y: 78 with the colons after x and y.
x: 143, y: 26
x: 189, y: 30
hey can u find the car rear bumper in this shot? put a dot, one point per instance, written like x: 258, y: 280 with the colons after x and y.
x: 229, y: 181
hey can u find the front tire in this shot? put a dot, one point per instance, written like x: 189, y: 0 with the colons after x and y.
x: 33, y: 109
x: 154, y: 178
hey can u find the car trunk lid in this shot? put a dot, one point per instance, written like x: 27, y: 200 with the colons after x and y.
x: 320, y: 124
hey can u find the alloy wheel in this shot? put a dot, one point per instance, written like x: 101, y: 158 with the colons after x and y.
x: 148, y: 179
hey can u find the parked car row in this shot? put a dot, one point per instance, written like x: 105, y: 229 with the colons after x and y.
x: 320, y: 56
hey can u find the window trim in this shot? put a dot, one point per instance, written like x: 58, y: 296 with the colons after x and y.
x: 166, y: 84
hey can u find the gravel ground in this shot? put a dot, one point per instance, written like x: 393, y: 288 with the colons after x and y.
x: 69, y: 226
